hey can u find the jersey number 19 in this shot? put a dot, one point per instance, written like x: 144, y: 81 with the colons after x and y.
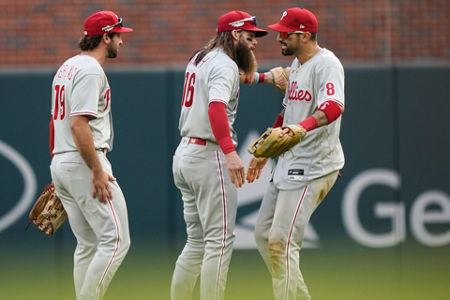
x: 60, y: 103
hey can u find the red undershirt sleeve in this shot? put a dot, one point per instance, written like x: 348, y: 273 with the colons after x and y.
x: 332, y: 110
x: 51, y: 136
x: 278, y: 121
x: 219, y: 124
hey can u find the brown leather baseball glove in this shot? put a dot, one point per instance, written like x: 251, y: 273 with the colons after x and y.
x: 280, y: 77
x: 48, y: 213
x: 274, y: 142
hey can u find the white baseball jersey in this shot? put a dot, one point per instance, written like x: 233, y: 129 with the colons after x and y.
x: 215, y: 78
x: 318, y: 80
x: 80, y: 87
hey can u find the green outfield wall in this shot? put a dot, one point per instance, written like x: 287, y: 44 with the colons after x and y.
x: 388, y: 216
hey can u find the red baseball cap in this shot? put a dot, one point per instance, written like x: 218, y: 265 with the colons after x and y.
x: 296, y: 19
x: 237, y: 19
x: 104, y: 21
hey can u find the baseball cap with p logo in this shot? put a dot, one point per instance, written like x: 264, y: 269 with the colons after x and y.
x: 104, y: 21
x: 296, y: 19
x: 239, y: 20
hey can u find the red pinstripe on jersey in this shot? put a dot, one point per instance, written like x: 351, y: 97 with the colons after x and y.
x: 291, y: 231
x: 224, y: 218
x: 116, y: 223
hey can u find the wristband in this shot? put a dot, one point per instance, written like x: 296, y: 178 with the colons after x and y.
x: 262, y: 77
x: 257, y: 78
x: 309, y: 123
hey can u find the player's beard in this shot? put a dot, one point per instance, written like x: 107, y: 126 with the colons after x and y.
x: 245, y: 59
x: 287, y: 51
x: 112, y: 51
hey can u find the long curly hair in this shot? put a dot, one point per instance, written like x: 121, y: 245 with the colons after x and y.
x: 223, y: 40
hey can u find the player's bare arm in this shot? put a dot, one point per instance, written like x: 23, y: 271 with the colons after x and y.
x: 82, y: 136
x: 235, y: 168
x: 255, y: 168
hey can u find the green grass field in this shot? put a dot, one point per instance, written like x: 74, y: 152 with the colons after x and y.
x: 342, y: 273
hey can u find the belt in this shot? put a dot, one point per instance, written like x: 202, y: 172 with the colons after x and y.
x: 104, y: 150
x: 197, y: 141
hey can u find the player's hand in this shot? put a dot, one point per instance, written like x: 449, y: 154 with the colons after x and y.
x: 101, y: 188
x: 255, y: 168
x: 235, y: 168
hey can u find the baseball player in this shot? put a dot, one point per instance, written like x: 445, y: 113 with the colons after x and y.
x: 81, y: 172
x: 303, y: 176
x: 206, y: 167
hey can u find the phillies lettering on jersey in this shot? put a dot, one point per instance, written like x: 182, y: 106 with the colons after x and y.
x: 295, y: 94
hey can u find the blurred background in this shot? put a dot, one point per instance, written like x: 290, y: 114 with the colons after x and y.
x: 382, y: 233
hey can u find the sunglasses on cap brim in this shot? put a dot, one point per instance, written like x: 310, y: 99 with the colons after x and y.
x: 108, y: 28
x: 241, y: 22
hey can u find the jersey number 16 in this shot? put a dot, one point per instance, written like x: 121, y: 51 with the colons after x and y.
x: 188, y: 89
